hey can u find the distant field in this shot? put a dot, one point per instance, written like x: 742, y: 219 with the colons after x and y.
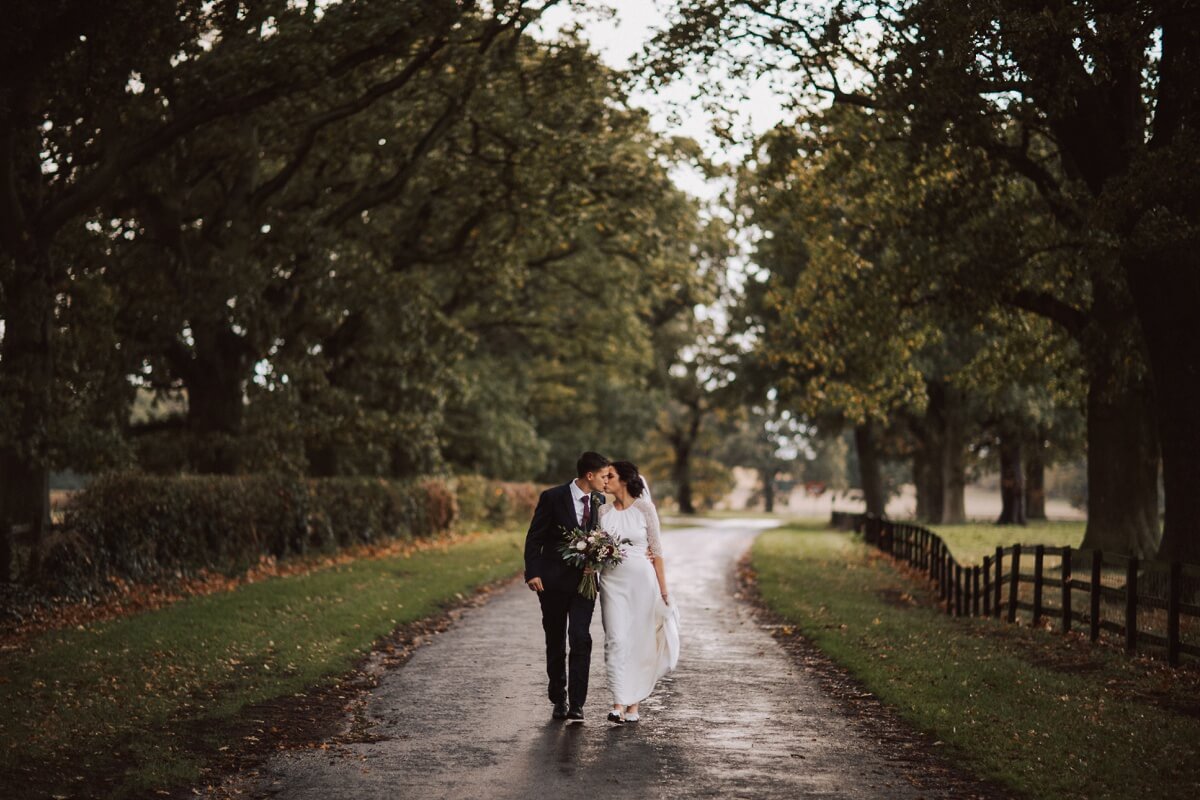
x: 971, y: 542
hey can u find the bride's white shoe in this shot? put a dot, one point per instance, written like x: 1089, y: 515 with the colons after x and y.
x: 632, y: 717
x: 616, y: 716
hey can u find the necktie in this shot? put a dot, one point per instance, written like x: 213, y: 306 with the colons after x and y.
x: 587, y: 511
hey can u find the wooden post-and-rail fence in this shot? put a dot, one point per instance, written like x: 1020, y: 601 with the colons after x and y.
x: 993, y: 588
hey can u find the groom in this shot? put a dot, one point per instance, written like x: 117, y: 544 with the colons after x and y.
x: 566, y: 614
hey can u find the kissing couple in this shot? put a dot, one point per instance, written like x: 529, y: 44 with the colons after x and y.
x: 641, y: 624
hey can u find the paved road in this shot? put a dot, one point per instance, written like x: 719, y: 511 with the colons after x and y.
x: 466, y: 717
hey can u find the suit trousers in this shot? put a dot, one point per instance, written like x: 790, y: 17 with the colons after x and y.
x: 566, y: 619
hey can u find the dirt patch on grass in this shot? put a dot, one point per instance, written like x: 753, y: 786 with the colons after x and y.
x: 897, y: 597
x: 922, y: 756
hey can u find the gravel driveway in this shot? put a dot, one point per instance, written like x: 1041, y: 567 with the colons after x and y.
x: 466, y: 717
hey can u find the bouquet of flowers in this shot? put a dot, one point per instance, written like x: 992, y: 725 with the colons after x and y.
x: 596, y: 549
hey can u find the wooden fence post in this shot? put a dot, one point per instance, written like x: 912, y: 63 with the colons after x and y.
x: 1097, y: 565
x: 1014, y: 584
x: 999, y: 581
x: 975, y: 590
x: 987, y: 586
x: 1173, y: 592
x: 958, y: 590
x: 949, y: 586
x: 968, y: 594
x: 1066, y: 590
x: 1131, y: 604
x: 1039, y: 554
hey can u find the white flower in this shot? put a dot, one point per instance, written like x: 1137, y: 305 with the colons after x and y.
x: 581, y: 545
x: 592, y: 538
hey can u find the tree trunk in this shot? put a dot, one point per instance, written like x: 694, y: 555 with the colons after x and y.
x: 927, y: 460
x: 682, y: 439
x: 1167, y: 292
x: 939, y: 469
x: 215, y: 377
x: 1122, y: 471
x: 768, y: 481
x: 1160, y: 257
x: 1012, y: 485
x: 26, y: 391
x: 954, y: 460
x: 24, y: 508
x: 1181, y: 464
x: 1035, y: 482
x: 925, y: 482
x: 866, y: 443
x: 681, y: 475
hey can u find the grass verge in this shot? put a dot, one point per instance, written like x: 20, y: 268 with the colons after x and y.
x: 1047, y: 716
x: 137, y: 705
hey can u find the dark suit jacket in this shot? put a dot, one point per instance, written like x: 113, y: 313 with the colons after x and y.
x: 553, y: 517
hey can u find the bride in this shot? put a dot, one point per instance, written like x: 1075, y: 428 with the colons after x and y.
x: 641, y: 626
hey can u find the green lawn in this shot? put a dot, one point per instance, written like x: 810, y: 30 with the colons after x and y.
x: 971, y: 542
x: 109, y: 702
x: 1050, y: 717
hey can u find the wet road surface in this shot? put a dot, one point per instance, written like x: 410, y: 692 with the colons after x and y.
x: 467, y: 717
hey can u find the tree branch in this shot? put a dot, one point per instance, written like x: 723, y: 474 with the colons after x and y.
x: 344, y: 111
x: 1073, y: 320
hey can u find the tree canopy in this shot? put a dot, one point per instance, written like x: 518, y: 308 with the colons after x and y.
x: 373, y: 237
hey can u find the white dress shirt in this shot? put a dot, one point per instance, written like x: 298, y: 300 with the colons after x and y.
x: 577, y: 496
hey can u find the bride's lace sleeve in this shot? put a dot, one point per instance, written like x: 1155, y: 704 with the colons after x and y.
x: 653, y: 529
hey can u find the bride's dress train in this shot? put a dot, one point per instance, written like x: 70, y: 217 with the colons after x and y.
x: 641, y: 632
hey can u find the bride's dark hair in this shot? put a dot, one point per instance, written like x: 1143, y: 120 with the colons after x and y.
x: 627, y: 471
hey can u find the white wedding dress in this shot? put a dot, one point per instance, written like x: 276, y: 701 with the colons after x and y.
x: 641, y: 632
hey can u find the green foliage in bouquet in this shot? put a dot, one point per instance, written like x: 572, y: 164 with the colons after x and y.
x: 593, y: 552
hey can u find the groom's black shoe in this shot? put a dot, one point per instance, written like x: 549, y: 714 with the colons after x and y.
x: 560, y: 710
x: 575, y: 713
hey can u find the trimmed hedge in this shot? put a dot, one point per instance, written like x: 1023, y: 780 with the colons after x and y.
x: 487, y: 502
x: 147, y: 527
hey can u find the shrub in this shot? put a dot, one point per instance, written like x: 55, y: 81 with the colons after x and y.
x: 485, y: 502
x: 145, y: 527
x: 441, y: 508
x: 472, y: 492
x: 347, y: 511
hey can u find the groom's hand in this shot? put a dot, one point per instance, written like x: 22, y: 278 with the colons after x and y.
x: 535, y: 584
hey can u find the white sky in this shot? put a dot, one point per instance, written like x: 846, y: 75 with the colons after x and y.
x: 619, y: 36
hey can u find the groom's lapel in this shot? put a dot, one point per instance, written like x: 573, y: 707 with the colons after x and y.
x: 568, y: 507
x: 596, y: 500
